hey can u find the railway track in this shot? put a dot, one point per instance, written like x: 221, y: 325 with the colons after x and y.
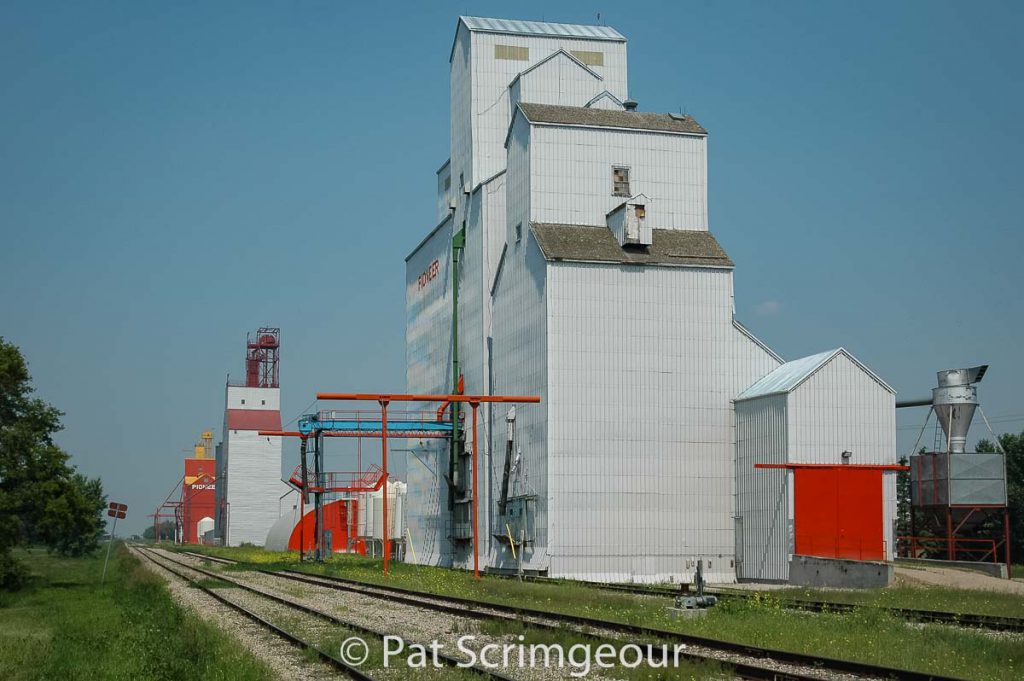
x: 355, y: 672
x: 327, y: 658
x: 990, y: 622
x: 474, y: 608
x: 986, y: 622
x: 744, y: 666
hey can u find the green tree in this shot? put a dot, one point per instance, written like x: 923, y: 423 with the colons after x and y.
x: 167, y: 529
x: 42, y: 498
x: 1013, y: 445
x: 903, y: 500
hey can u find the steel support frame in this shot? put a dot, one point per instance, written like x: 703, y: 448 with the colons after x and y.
x: 474, y: 401
x: 943, y: 522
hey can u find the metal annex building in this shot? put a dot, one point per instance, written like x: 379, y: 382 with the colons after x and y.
x: 586, y: 274
x: 801, y: 416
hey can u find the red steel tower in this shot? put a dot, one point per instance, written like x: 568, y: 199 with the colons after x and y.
x: 262, y: 358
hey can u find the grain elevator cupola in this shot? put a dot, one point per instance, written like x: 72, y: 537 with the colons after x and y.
x: 262, y: 359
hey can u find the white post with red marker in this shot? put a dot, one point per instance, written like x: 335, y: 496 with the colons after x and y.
x: 115, y: 511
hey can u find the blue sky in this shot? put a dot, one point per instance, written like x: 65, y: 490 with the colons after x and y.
x: 175, y: 174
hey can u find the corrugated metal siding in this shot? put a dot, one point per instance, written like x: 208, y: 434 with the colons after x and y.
x: 559, y: 80
x: 519, y: 357
x: 444, y: 193
x: 462, y: 113
x: 428, y: 349
x: 605, y: 101
x: 762, y: 496
x: 254, y: 471
x: 573, y: 167
x: 241, y: 397
x: 220, y: 493
x: 491, y: 78
x: 641, y: 427
x: 842, y: 407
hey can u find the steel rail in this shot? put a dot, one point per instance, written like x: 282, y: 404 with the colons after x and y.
x: 471, y: 608
x: 291, y: 638
x: 447, y: 659
x: 988, y: 622
x: 212, y: 559
x: 741, y: 669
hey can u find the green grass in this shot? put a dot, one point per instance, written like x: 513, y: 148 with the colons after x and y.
x: 65, y: 625
x: 962, y: 601
x: 866, y: 634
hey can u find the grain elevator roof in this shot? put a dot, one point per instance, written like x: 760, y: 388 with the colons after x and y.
x: 608, y: 118
x: 587, y: 243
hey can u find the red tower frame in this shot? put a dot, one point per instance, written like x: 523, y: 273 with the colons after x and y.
x: 262, y: 358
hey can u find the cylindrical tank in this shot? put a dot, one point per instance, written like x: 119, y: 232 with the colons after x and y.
x: 954, y: 401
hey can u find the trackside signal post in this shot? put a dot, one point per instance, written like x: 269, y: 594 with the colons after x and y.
x: 115, y: 511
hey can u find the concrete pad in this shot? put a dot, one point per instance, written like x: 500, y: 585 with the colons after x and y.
x: 838, y: 572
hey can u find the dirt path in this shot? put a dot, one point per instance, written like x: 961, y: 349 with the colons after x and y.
x: 956, y: 579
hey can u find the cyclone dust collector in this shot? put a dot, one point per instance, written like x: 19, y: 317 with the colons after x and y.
x: 958, y: 498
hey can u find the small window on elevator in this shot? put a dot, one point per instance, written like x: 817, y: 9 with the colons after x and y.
x: 620, y: 181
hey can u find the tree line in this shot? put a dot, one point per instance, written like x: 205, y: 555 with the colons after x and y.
x: 44, y: 500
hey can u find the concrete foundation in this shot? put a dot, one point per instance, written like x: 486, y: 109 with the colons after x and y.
x: 847, y: 574
x: 993, y: 569
x: 687, y: 613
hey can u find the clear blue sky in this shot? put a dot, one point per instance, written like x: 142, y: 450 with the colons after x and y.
x: 175, y: 174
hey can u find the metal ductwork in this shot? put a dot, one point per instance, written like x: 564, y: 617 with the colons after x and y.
x: 954, y: 401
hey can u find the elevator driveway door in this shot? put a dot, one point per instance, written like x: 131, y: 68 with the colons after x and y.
x: 838, y: 512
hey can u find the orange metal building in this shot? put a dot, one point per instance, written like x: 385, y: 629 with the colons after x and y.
x: 198, y: 490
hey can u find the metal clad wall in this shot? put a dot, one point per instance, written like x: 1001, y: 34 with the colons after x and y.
x: 491, y: 78
x: 841, y: 406
x: 521, y: 368
x: 254, y: 469
x: 762, y: 496
x: 221, y: 491
x: 474, y: 306
x: 428, y: 350
x: 256, y: 399
x: 519, y: 358
x: 641, y: 428
x: 560, y: 80
x: 250, y: 483
x: 461, y: 113
x: 606, y: 103
x: 444, y: 176
x: 573, y: 167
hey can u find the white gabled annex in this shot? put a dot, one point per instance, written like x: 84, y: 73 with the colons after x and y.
x: 590, y: 278
x: 808, y: 411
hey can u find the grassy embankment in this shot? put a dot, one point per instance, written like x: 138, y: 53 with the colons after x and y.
x: 866, y: 634
x: 65, y: 625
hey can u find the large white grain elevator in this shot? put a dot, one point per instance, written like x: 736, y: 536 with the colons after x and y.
x: 586, y: 274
